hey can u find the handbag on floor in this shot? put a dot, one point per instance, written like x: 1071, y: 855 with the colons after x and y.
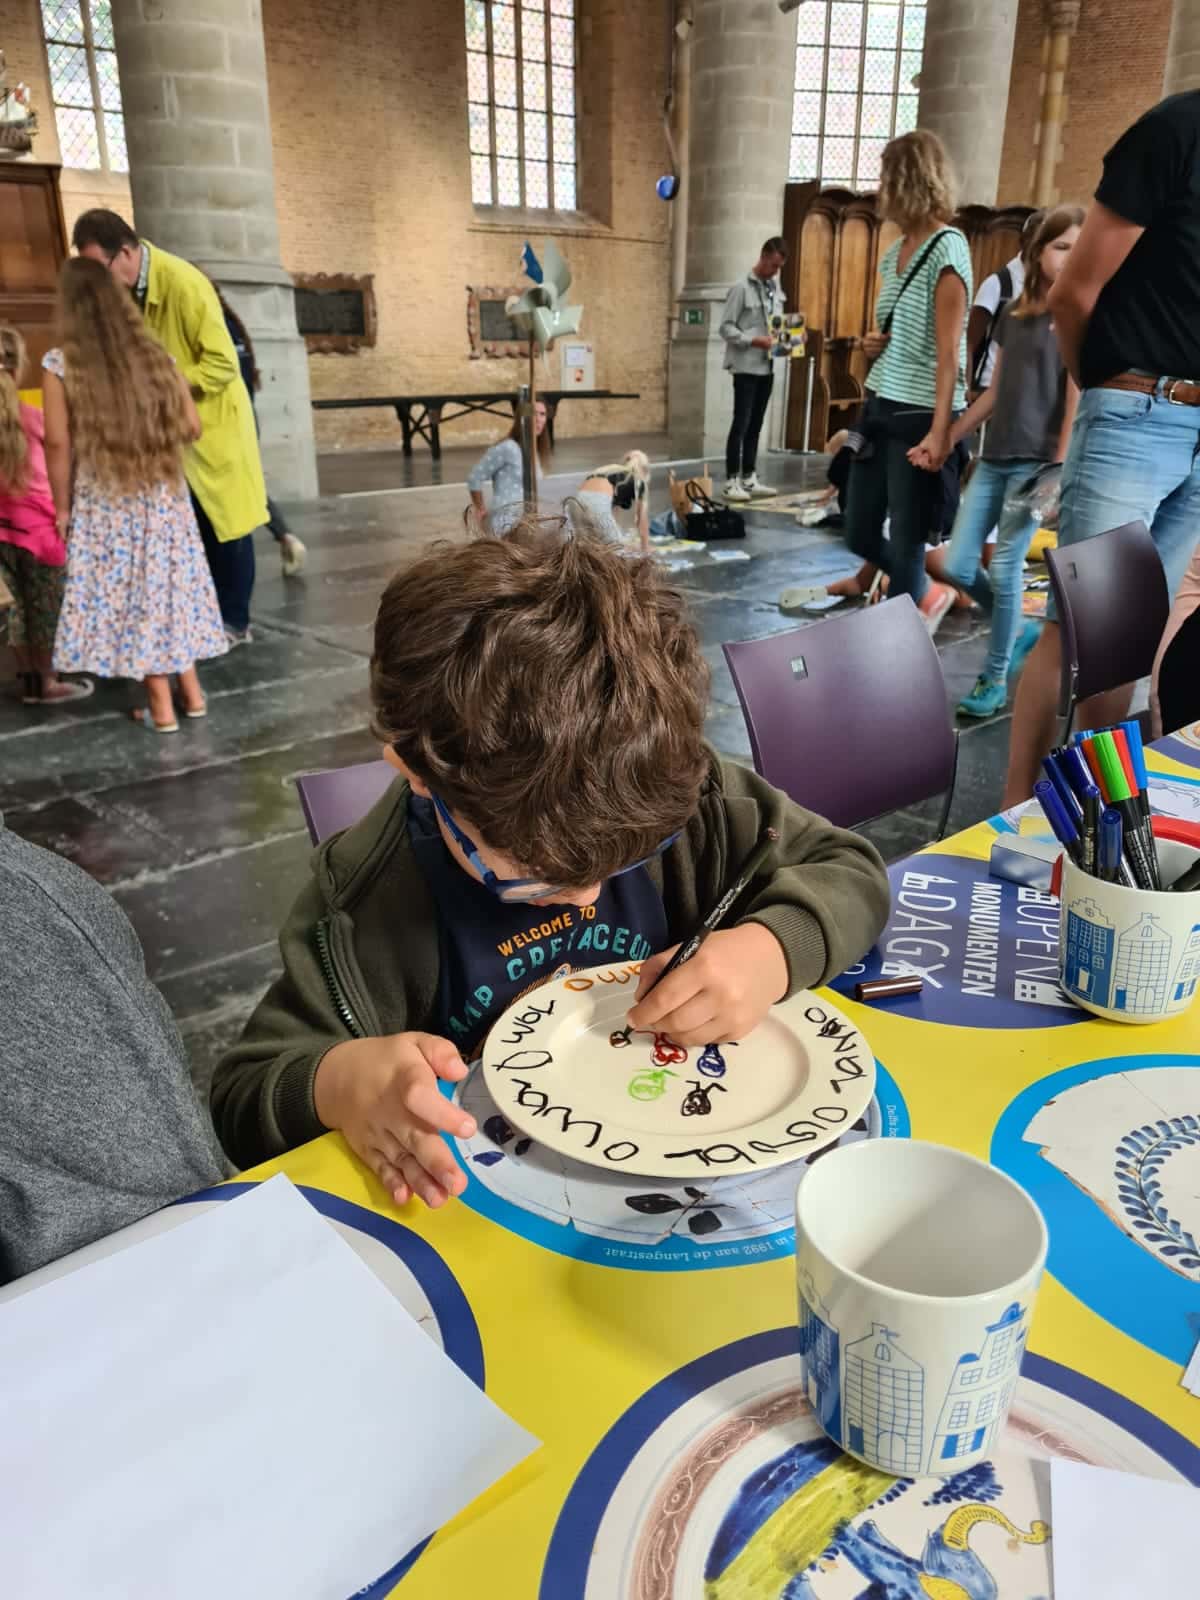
x: 711, y: 521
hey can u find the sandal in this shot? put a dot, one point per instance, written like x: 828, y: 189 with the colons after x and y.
x: 141, y: 715
x: 35, y: 694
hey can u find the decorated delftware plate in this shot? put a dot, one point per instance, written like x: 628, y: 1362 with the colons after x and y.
x: 558, y: 1068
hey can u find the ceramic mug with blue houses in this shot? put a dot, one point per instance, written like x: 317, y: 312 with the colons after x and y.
x: 1131, y: 955
x: 917, y: 1267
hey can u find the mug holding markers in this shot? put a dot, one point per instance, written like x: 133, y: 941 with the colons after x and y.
x: 1130, y: 943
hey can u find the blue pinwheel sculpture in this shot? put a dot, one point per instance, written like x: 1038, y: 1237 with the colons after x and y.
x: 541, y: 313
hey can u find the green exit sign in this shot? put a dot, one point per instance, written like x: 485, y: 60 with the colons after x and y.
x: 693, y: 317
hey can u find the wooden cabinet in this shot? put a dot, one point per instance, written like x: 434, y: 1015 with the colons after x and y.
x: 33, y: 246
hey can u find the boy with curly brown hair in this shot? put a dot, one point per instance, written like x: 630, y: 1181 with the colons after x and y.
x: 543, y: 703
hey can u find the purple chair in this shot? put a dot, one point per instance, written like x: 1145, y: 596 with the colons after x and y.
x: 1112, y: 599
x: 335, y: 800
x: 849, y: 715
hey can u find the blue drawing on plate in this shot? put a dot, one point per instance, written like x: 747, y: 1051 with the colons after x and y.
x: 760, y: 1535
x: 1141, y: 1156
x: 1110, y: 1228
x: 820, y: 1348
x: 1142, y: 972
x: 1091, y: 940
x: 711, y: 1062
x: 883, y: 1405
x: 980, y: 1391
x: 1187, y: 975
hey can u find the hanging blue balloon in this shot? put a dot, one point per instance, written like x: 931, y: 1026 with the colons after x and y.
x: 667, y: 187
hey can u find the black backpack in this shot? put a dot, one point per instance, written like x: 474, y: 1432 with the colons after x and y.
x: 985, y: 349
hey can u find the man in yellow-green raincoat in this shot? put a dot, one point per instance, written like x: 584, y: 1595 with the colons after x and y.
x: 224, y: 470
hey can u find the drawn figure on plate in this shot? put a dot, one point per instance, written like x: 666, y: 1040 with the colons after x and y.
x: 712, y: 1062
x: 802, y: 1518
x: 650, y: 1084
x: 698, y: 1100
x: 947, y: 1570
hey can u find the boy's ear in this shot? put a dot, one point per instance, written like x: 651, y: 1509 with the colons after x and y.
x: 414, y: 783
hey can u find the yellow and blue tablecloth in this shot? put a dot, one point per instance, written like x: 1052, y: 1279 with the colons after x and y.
x: 646, y: 1333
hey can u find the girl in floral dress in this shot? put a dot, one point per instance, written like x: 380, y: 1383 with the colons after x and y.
x: 140, y: 601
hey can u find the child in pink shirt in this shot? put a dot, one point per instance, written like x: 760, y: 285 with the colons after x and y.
x: 33, y: 556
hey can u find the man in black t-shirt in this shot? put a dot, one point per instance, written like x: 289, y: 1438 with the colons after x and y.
x: 1127, y: 315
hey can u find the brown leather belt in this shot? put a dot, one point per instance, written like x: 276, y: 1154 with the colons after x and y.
x: 1179, y: 391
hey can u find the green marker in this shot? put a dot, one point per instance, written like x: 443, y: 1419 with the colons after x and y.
x: 1121, y: 796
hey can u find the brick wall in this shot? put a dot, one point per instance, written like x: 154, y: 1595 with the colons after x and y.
x: 368, y: 109
x: 1115, y: 73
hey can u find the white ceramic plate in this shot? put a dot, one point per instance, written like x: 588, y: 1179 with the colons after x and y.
x: 800, y: 1080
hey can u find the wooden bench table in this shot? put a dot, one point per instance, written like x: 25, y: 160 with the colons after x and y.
x: 423, y: 414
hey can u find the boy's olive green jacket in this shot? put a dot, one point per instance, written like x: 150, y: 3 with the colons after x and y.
x: 360, y: 948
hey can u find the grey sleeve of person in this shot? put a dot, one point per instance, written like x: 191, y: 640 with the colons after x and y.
x: 735, y: 305
x: 99, y: 1123
x: 487, y: 467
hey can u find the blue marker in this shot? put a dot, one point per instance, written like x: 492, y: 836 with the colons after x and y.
x: 1078, y: 773
x: 1057, y: 816
x: 1055, y: 772
x: 1111, y: 834
x: 1137, y: 753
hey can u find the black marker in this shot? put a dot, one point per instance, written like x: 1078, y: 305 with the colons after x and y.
x: 746, y: 873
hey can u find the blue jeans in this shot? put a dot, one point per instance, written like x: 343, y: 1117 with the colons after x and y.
x: 232, y: 566
x: 1134, y: 457
x: 998, y: 589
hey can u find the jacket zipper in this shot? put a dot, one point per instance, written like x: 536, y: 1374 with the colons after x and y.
x: 333, y: 983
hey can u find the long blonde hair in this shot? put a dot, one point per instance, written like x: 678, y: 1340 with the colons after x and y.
x: 128, y: 420
x: 14, y: 447
x: 1053, y: 225
x: 633, y: 464
x: 917, y: 181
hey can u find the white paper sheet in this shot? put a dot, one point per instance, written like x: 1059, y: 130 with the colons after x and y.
x: 236, y: 1408
x: 1116, y: 1535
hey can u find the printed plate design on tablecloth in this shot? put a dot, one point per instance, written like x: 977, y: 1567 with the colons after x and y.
x: 987, y: 949
x: 562, y: 1067
x: 615, y: 1219
x: 718, y: 1483
x: 412, y: 1271
x: 1110, y: 1150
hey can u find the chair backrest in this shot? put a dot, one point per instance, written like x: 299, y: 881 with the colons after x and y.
x: 849, y: 715
x: 1112, y: 599
x: 335, y: 800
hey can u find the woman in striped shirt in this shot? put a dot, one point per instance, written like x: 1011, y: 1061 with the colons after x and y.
x: 916, y: 383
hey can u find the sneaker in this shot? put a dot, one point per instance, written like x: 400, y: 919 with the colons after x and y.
x: 1026, y: 639
x: 293, y: 554
x: 985, y: 699
x: 236, y: 636
x: 736, y: 492
x: 939, y: 597
x: 756, y: 490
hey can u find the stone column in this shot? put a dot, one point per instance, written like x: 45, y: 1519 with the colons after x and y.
x: 194, y: 89
x: 1062, y: 21
x: 743, y: 69
x: 964, y: 87
x: 1183, y: 51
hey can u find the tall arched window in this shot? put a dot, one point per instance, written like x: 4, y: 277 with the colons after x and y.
x: 521, y: 102
x: 855, y: 65
x: 84, y: 84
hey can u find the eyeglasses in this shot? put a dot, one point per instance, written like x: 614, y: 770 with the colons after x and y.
x: 515, y: 890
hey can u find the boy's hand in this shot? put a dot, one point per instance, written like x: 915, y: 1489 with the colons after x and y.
x: 724, y: 991
x: 383, y: 1095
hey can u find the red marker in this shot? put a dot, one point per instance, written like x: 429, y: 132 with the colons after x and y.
x: 1121, y: 740
x: 1092, y: 757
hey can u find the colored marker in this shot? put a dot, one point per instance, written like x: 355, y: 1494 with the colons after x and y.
x: 1059, y: 819
x: 1089, y: 832
x: 1110, y: 845
x: 1091, y: 754
x: 1054, y: 771
x: 1137, y: 753
x: 1078, y: 773
x: 1120, y: 795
